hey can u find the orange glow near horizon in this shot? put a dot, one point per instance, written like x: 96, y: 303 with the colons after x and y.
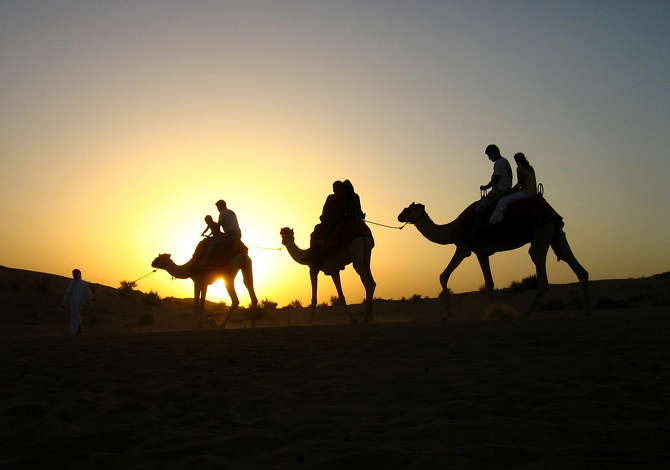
x: 114, y: 152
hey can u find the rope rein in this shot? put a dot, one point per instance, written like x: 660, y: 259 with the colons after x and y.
x: 368, y: 221
x: 151, y: 272
x: 387, y: 226
x: 262, y: 247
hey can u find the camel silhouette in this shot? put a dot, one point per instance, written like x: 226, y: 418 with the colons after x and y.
x: 548, y: 234
x: 356, y: 251
x: 215, y: 269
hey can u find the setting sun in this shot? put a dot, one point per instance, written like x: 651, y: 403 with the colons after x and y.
x: 115, y: 151
x: 124, y: 122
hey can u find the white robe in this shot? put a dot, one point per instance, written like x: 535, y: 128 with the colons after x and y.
x: 77, y: 294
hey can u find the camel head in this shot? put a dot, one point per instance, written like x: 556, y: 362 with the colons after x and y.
x: 286, y: 235
x: 161, y: 261
x: 412, y: 213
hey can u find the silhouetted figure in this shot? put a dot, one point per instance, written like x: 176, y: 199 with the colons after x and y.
x: 231, y: 230
x: 213, y: 228
x: 333, y: 212
x: 352, y: 207
x: 77, y: 294
x: 526, y: 186
x: 501, y: 181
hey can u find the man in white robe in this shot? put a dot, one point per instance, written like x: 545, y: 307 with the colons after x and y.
x: 77, y: 294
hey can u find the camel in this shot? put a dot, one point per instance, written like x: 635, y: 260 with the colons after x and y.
x: 211, y: 274
x: 541, y: 238
x: 356, y: 251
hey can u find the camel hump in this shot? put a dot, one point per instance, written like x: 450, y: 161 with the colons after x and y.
x: 229, y: 249
x: 345, y: 232
x: 223, y: 253
x: 522, y: 215
x: 201, y: 248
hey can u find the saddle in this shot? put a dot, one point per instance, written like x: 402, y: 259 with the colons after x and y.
x: 220, y: 260
x: 519, y: 219
x: 342, y: 234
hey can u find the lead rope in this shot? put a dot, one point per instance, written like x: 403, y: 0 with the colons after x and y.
x: 387, y: 226
x: 135, y: 281
x: 263, y: 247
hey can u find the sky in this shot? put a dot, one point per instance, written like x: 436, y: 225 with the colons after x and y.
x: 123, y: 123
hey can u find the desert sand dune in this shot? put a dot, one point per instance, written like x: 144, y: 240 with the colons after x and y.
x: 481, y: 390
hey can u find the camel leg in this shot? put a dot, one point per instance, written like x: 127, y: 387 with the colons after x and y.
x: 196, y: 298
x: 234, y: 300
x: 314, y: 278
x: 485, y: 264
x: 340, y: 294
x: 248, y: 278
x: 456, y: 260
x: 538, y: 252
x: 564, y: 253
x: 200, y: 296
x: 363, y: 270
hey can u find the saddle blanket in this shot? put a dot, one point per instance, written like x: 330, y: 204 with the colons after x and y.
x: 221, y: 257
x: 519, y: 219
x: 345, y: 232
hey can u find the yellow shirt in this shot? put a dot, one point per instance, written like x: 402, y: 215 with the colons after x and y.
x: 528, y: 182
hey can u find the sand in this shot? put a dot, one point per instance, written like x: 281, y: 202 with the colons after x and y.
x: 557, y: 390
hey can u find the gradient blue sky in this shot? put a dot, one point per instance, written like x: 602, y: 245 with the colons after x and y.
x: 123, y: 122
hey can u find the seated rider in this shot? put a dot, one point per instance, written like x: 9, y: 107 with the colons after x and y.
x: 334, y: 212
x: 525, y: 187
x: 352, y: 208
x: 231, y: 231
x: 501, y: 181
x: 213, y: 227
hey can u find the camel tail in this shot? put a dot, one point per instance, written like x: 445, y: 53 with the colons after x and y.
x: 562, y: 249
x: 248, y: 271
x: 560, y: 245
x: 563, y: 252
x: 248, y: 278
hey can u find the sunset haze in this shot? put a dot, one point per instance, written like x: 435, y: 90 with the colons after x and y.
x: 123, y: 123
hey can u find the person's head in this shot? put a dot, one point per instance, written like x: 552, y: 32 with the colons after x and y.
x: 208, y: 219
x: 76, y: 274
x: 221, y: 205
x: 521, y: 160
x: 493, y: 152
x: 348, y: 187
x: 338, y: 187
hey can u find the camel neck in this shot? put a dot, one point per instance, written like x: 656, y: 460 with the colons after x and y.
x: 299, y: 255
x: 441, y: 234
x: 179, y: 271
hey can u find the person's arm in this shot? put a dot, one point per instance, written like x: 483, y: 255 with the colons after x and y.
x: 68, y: 292
x: 519, y: 182
x: 492, y: 183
